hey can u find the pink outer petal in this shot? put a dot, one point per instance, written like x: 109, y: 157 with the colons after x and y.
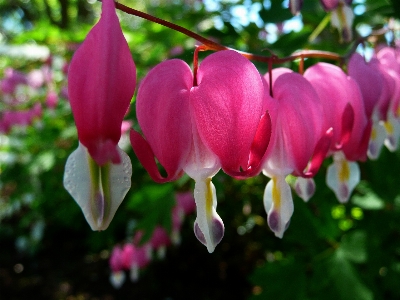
x: 227, y: 105
x: 159, y: 238
x: 101, y: 83
x: 186, y: 202
x: 297, y: 127
x: 116, y: 259
x: 361, y: 152
x: 320, y: 151
x: 331, y: 85
x: 388, y: 57
x: 395, y: 102
x: 356, y: 146
x: 258, y: 150
x: 388, y: 88
x: 141, y: 257
x: 347, y: 126
x: 128, y: 252
x: 364, y: 75
x: 329, y: 5
x: 162, y: 109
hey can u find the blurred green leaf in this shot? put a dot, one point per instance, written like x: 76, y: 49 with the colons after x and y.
x: 369, y: 201
x: 353, y: 246
x: 274, y: 279
x: 346, y: 280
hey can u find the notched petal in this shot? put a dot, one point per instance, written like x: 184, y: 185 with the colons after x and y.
x: 347, y: 125
x: 320, y: 152
x: 98, y: 190
x: 146, y: 157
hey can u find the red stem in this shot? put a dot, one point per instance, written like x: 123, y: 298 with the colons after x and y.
x: 211, y: 45
x: 196, y: 61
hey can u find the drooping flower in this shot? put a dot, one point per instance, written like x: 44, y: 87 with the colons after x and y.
x: 376, y: 97
x: 19, y: 118
x: 117, y: 277
x: 363, y: 74
x: 329, y: 5
x: 388, y: 57
x: 11, y: 79
x: 344, y: 111
x: 298, y: 144
x: 381, y: 111
x: 51, y: 99
x: 185, y: 204
x: 159, y: 241
x: 342, y: 16
x: 130, y: 257
x: 218, y: 122
x: 101, y: 83
x: 140, y: 256
x: 295, y: 6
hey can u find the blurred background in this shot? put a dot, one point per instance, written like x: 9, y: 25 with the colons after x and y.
x: 48, y: 251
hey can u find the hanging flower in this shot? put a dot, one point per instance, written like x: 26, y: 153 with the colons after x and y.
x: 159, y: 241
x: 295, y: 6
x: 117, y: 277
x: 389, y: 59
x: 101, y: 83
x: 185, y: 204
x: 199, y: 124
x: 342, y: 17
x: 344, y: 111
x: 375, y: 97
x: 381, y: 110
x: 298, y: 145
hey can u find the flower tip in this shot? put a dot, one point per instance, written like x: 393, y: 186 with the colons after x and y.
x: 216, y: 234
x: 117, y: 279
x: 275, y: 224
x: 98, y: 190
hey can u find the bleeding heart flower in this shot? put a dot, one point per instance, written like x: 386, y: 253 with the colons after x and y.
x: 11, y: 79
x: 364, y: 74
x: 219, y: 122
x: 295, y: 6
x: 344, y: 110
x: 138, y: 256
x: 159, y: 241
x: 299, y: 143
x: 101, y: 83
x: 329, y: 5
x: 117, y: 277
x: 342, y: 16
x: 381, y: 110
x: 389, y: 59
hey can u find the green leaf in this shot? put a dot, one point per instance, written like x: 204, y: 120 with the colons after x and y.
x: 369, y: 201
x: 346, y: 280
x: 353, y: 246
x: 272, y: 280
x: 276, y: 13
x: 44, y: 162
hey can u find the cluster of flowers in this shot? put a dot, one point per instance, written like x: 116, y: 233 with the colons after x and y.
x: 134, y: 256
x: 224, y: 115
x: 341, y: 15
x: 17, y: 89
